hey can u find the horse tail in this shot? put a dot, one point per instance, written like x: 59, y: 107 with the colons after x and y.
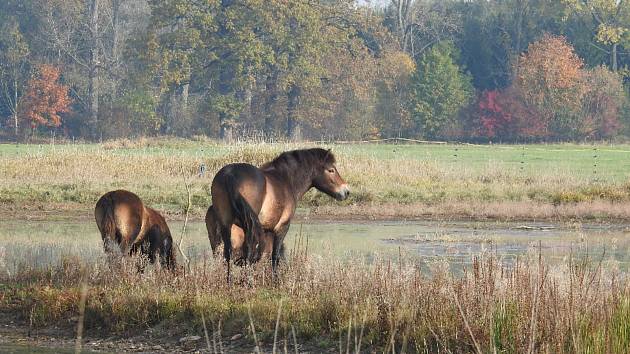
x: 214, y: 229
x: 107, y: 222
x: 250, y: 222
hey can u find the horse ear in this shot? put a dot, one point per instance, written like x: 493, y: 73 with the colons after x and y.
x: 329, y: 156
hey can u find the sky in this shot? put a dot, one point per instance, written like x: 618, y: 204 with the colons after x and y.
x: 379, y: 3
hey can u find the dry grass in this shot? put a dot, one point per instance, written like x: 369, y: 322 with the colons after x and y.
x: 155, y: 169
x: 598, y: 210
x: 580, y: 306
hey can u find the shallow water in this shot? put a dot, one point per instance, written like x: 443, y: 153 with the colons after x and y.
x: 39, y: 243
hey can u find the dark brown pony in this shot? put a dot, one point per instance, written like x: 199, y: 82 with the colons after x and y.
x: 263, y: 200
x: 126, y: 223
x: 237, y: 236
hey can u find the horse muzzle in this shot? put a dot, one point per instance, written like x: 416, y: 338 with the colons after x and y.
x: 343, y: 193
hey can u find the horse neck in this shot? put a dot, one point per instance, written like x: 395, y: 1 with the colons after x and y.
x: 300, y: 180
x: 300, y: 187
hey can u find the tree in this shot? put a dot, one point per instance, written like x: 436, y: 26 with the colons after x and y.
x: 419, y: 24
x: 300, y: 39
x: 550, y: 81
x: 88, y: 37
x: 495, y: 33
x: 603, y: 103
x: 341, y: 91
x: 46, y: 98
x: 392, y: 110
x: 495, y: 119
x: 440, y: 89
x: 612, y: 18
x: 553, y: 96
x: 14, y: 53
x: 501, y: 115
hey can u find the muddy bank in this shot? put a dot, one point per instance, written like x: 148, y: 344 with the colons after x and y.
x: 18, y: 337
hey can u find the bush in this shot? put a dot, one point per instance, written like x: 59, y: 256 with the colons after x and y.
x: 603, y: 104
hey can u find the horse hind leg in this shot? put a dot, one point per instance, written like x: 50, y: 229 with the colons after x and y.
x: 167, y: 258
x: 162, y: 247
x: 227, y: 249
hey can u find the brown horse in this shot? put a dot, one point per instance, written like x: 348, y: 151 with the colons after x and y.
x: 125, y: 222
x: 264, y: 199
x: 237, y: 236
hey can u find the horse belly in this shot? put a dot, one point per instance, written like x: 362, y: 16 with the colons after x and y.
x: 252, y: 192
x: 272, y: 208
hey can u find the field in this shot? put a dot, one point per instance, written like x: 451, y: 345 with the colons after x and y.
x: 388, y: 181
x: 532, y: 252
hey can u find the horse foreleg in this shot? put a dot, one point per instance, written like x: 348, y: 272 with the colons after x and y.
x: 276, y: 252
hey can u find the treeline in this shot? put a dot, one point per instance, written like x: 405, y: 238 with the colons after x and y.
x: 499, y: 70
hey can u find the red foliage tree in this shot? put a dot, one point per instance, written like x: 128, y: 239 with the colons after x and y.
x: 502, y: 115
x: 46, y: 98
x: 494, y: 119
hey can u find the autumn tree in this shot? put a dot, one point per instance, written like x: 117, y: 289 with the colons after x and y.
x: 603, y: 103
x: 353, y: 61
x: 551, y: 82
x: 392, y: 111
x: 45, y: 99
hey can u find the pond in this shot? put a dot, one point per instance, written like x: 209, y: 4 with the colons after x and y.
x: 41, y: 243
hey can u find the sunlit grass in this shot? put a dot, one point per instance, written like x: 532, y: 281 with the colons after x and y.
x: 157, y: 169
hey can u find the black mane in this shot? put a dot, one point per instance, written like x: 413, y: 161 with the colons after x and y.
x: 290, y: 160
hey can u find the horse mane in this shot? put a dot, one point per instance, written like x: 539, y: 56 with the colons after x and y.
x: 296, y: 167
x: 288, y: 160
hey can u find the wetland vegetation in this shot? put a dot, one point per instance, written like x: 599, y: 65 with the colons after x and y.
x: 554, y: 280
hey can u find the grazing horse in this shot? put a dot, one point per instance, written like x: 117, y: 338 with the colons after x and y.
x: 263, y: 200
x: 237, y: 236
x: 124, y: 221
